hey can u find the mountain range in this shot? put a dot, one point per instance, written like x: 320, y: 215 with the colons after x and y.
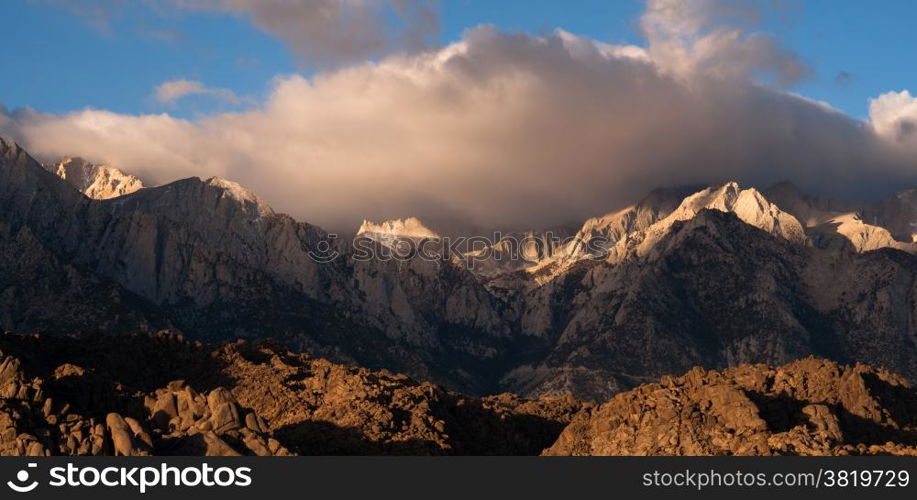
x: 713, y: 276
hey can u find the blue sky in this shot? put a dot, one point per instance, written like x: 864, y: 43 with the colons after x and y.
x: 65, y: 62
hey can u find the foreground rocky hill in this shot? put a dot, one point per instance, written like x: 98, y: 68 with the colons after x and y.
x: 809, y: 407
x: 163, y: 395
x: 140, y: 395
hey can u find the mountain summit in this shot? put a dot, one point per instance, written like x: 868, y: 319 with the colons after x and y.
x: 412, y: 227
x: 95, y: 181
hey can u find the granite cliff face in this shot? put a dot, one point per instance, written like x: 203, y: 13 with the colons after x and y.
x: 711, y: 277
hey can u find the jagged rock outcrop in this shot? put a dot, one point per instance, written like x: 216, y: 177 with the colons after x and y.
x: 99, y: 182
x: 191, y: 423
x: 810, y: 407
x: 637, y: 230
x: 412, y: 227
x: 749, y: 205
x: 322, y: 408
x: 602, y: 237
x: 501, y: 257
x: 849, y: 231
x: 860, y: 227
x: 77, y: 412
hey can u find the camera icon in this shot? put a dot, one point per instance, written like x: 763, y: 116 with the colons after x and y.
x: 21, y: 485
x: 324, y: 252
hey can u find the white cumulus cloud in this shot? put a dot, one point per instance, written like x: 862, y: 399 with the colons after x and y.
x: 894, y: 117
x: 504, y: 130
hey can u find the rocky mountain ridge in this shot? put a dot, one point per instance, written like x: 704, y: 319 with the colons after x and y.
x: 716, y: 292
x: 860, y: 227
x: 711, y: 277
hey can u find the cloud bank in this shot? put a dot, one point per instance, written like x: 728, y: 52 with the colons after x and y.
x: 513, y: 130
